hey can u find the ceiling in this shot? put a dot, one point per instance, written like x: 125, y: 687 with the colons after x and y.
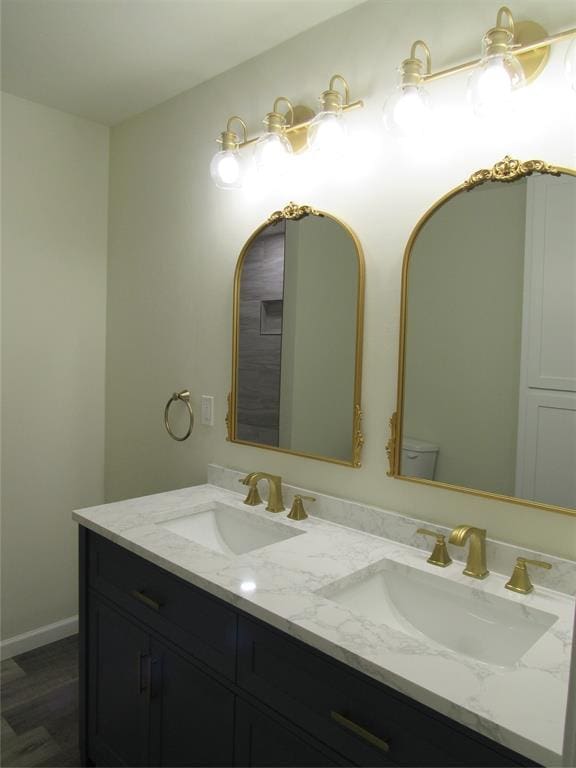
x: 109, y: 59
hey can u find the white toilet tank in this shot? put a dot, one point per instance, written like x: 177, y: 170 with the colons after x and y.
x: 418, y: 458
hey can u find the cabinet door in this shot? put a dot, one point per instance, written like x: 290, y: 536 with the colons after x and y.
x: 118, y: 680
x: 262, y: 740
x: 192, y: 715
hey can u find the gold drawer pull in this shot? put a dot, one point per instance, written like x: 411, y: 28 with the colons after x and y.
x: 146, y: 600
x: 359, y: 731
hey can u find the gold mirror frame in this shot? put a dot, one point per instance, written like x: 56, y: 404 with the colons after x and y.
x: 507, y: 170
x: 295, y: 212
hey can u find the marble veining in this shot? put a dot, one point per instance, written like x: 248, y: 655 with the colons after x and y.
x: 287, y: 584
x: 391, y: 525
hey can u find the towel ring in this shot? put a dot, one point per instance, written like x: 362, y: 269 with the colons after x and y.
x: 184, y: 396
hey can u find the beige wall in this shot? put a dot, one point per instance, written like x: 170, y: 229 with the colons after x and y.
x: 318, y: 338
x: 54, y: 180
x: 174, y: 240
x: 464, y: 335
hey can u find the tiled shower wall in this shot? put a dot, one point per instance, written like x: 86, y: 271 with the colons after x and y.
x: 259, y: 352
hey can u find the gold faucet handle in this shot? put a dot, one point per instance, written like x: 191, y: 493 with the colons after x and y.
x: 253, y: 498
x: 439, y: 554
x: 520, y: 579
x: 297, y: 511
x: 539, y: 563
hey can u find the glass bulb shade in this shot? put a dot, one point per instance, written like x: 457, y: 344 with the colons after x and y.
x: 272, y: 154
x: 327, y: 134
x: 491, y: 84
x: 227, y: 169
x: 408, y: 112
x: 570, y: 65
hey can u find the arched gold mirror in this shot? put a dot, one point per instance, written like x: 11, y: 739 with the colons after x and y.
x: 297, y: 338
x: 487, y: 367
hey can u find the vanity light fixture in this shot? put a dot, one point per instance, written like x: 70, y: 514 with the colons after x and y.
x: 226, y: 167
x: 273, y: 151
x: 286, y: 134
x: 408, y: 111
x: 327, y: 131
x: 513, y: 54
x: 499, y: 71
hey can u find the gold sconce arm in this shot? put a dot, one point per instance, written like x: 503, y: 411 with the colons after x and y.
x: 428, y: 56
x: 346, y: 99
x: 346, y: 103
x: 242, y: 123
x: 290, y: 109
x: 504, y: 10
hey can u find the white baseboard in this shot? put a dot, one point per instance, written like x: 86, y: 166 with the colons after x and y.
x: 27, y: 641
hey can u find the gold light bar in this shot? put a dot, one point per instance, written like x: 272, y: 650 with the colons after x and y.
x: 517, y: 51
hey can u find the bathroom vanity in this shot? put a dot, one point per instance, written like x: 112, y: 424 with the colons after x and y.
x: 232, y: 653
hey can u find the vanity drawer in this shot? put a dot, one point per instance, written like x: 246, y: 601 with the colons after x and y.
x: 200, y: 624
x: 347, y: 710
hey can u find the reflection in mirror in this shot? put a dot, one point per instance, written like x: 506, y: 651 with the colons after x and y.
x: 489, y: 378
x: 298, y: 336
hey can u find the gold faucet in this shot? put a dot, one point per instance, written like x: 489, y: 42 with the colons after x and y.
x: 520, y: 580
x: 275, y: 503
x: 476, y: 563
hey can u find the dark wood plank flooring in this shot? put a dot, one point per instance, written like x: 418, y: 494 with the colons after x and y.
x: 39, y: 714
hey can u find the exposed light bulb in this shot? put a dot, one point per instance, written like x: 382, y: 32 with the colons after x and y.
x: 492, y: 83
x: 226, y: 169
x: 327, y: 134
x: 570, y: 65
x: 408, y: 112
x: 272, y: 154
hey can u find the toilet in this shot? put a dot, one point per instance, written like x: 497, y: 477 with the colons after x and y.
x: 419, y: 458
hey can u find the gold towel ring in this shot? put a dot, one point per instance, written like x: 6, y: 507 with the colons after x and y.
x: 184, y: 396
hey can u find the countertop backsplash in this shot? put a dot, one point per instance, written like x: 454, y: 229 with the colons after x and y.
x: 501, y: 556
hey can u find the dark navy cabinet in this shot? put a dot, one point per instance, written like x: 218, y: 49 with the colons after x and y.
x: 191, y: 714
x: 264, y: 739
x: 117, y: 669
x: 171, y: 676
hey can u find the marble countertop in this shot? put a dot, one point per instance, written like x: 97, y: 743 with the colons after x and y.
x: 521, y: 706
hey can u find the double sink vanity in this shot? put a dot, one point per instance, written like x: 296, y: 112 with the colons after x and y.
x: 216, y: 632
x: 220, y: 630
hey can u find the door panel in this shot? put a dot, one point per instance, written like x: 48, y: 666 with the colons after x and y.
x: 118, y: 681
x: 192, y: 715
x: 264, y: 741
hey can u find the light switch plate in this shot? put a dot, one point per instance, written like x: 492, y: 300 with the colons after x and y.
x: 207, y: 410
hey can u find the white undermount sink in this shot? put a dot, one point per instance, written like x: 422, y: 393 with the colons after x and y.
x: 227, y: 530
x: 483, y: 626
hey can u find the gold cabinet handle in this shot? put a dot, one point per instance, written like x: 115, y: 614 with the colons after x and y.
x: 357, y: 730
x: 143, y: 597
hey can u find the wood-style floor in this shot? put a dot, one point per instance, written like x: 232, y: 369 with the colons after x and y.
x: 39, y: 713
